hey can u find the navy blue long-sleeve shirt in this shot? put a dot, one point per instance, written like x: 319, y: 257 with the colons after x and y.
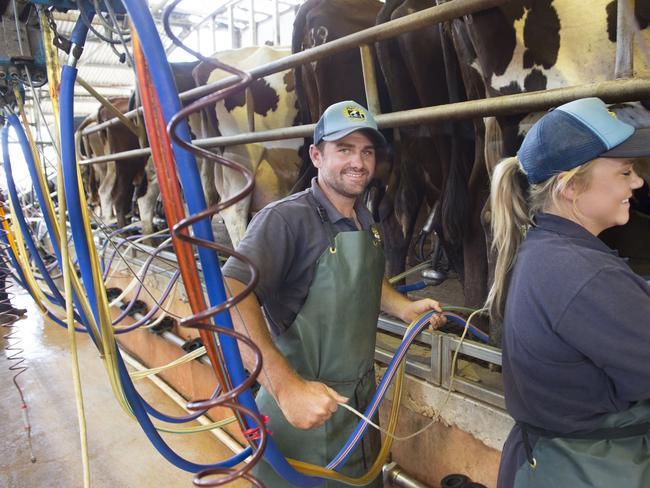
x: 576, y: 335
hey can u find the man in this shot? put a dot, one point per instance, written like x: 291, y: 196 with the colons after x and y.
x: 321, y: 287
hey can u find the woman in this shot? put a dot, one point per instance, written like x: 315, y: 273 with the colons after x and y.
x: 576, y: 331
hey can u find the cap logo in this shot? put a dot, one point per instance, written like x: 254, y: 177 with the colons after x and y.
x: 352, y: 112
x: 613, y: 114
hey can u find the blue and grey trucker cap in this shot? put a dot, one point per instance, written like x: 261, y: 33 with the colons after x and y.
x: 575, y: 133
x: 344, y: 118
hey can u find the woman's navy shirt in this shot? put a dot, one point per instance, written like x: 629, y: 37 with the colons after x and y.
x: 576, y: 334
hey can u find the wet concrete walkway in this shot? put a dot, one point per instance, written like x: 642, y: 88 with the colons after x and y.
x: 120, y: 454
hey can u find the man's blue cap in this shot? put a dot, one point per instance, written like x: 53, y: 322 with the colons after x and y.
x: 344, y: 118
x: 575, y: 133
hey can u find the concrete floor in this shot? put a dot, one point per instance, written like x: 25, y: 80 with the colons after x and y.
x: 120, y: 454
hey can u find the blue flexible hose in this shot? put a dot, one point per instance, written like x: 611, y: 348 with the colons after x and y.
x: 343, y: 455
x: 137, y: 404
x: 20, y: 276
x: 20, y: 220
x: 31, y: 165
x: 419, y: 285
x: 22, y: 281
x: 193, y: 191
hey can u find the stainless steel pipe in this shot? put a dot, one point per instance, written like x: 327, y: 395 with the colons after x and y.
x: 394, y: 475
x: 610, y: 91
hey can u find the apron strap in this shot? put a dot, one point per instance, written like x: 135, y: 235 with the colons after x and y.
x: 596, y: 434
x: 532, y: 462
x: 322, y: 213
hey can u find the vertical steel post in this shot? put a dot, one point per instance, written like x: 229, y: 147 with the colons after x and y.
x: 250, y: 110
x: 213, y: 27
x: 252, y: 25
x: 276, y: 22
x: 624, y: 39
x: 231, y: 26
x: 369, y: 78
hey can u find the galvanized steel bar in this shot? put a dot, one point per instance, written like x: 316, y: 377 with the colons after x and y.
x: 250, y: 109
x: 252, y: 25
x: 276, y: 22
x: 231, y: 29
x: 418, y: 20
x: 394, y: 475
x: 624, y: 39
x: 369, y: 78
x: 610, y: 91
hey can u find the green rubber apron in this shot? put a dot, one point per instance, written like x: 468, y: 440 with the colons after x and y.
x: 332, y: 340
x: 616, y: 455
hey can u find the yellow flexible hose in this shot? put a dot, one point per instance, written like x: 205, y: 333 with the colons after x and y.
x: 138, y: 375
x: 70, y: 278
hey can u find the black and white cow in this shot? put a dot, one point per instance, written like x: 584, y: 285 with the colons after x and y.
x: 531, y: 45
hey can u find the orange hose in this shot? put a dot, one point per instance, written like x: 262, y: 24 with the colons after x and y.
x: 172, y: 198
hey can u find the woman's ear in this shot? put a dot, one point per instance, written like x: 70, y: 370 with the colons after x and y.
x: 570, y: 190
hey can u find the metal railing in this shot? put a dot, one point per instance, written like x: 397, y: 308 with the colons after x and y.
x: 419, y: 20
x: 610, y: 91
x: 439, y: 368
x: 435, y: 371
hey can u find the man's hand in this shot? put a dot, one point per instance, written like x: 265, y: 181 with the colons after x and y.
x: 416, y: 308
x: 308, y: 404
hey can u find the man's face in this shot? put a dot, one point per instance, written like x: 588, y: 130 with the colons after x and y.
x: 345, y: 166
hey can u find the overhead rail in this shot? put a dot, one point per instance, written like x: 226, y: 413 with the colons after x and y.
x: 610, y: 91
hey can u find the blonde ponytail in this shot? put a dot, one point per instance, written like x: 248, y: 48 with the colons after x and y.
x: 513, y: 204
x: 510, y: 217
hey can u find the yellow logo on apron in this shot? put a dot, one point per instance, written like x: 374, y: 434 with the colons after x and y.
x: 376, y: 236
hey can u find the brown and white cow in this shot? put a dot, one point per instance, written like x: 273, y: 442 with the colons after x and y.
x: 147, y: 202
x: 527, y: 46
x: 275, y: 164
x: 98, y: 179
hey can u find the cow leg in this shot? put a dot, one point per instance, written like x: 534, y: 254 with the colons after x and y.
x: 207, y: 174
x: 147, y: 202
x: 106, y: 185
x: 235, y: 217
x: 400, y: 210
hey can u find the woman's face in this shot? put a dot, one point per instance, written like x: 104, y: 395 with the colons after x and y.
x: 606, y: 200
